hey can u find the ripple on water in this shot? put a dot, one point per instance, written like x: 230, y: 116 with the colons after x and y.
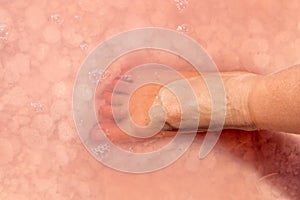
x: 84, y: 46
x: 5, y: 25
x: 101, y: 150
x: 183, y: 28
x: 57, y: 18
x: 37, y: 107
x: 181, y: 4
x: 77, y: 17
x: 95, y: 75
x: 4, y: 32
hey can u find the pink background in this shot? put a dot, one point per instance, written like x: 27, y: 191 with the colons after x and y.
x: 43, y: 43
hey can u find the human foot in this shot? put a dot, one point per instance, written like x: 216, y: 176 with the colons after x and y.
x: 238, y: 86
x: 133, y: 102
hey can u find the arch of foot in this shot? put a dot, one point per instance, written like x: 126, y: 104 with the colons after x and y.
x: 43, y: 43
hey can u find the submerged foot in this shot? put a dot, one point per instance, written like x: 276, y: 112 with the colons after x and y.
x: 236, y: 85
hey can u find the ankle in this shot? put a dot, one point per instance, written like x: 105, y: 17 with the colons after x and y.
x: 239, y: 89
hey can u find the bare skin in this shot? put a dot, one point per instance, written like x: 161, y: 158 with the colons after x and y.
x: 272, y: 101
x: 275, y: 101
x: 269, y: 102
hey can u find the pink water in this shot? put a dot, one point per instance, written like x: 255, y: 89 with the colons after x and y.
x: 42, y: 45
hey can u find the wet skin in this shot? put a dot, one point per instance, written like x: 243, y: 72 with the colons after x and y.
x: 244, y: 93
x: 149, y: 95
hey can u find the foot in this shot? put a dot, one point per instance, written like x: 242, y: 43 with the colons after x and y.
x: 238, y: 86
x: 136, y: 110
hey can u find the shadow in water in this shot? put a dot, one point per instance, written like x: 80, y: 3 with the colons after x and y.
x: 276, y: 157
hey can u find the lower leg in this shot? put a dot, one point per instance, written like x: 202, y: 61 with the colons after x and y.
x: 275, y: 101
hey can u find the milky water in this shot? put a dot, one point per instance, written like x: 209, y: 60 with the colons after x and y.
x: 42, y: 46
